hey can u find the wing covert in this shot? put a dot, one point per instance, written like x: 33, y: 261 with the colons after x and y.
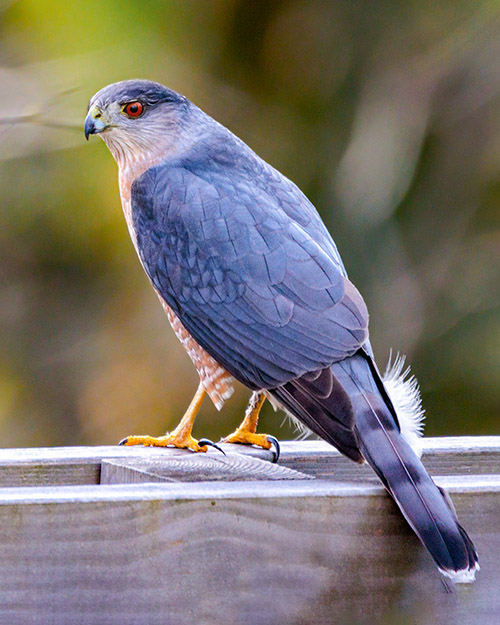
x: 250, y: 283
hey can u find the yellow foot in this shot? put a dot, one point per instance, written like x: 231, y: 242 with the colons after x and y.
x: 244, y: 437
x: 181, y: 436
x: 169, y: 440
x: 246, y: 434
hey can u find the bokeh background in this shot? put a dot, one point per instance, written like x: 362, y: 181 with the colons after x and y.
x: 386, y: 113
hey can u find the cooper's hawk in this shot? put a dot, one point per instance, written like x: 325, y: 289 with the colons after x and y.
x: 255, y: 289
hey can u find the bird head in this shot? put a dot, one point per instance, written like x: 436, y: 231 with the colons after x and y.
x: 136, y: 117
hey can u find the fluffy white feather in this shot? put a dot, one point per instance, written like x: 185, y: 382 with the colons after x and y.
x: 404, y: 392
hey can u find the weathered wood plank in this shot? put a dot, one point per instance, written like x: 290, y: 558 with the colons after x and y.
x: 260, y: 553
x: 82, y: 465
x: 195, y: 468
x: 441, y: 456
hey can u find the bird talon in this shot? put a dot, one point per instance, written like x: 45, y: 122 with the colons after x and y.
x: 276, y: 448
x: 205, y: 441
x: 245, y: 437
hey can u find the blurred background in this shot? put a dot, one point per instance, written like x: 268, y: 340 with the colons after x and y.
x: 387, y: 114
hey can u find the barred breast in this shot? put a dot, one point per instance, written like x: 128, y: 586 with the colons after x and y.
x: 217, y: 382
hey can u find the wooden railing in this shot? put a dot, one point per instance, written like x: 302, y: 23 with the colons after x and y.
x: 114, y: 535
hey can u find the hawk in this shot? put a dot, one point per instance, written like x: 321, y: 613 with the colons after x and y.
x: 255, y: 289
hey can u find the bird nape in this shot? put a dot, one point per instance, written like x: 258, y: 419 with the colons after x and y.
x: 255, y: 289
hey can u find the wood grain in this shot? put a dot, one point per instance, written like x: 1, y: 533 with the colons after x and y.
x: 266, y: 552
x: 195, y: 468
x: 295, y: 552
x: 82, y: 465
x: 442, y: 456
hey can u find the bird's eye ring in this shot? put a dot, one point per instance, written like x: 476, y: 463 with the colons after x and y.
x: 133, y: 109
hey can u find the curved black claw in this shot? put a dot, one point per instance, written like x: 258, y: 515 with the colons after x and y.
x: 206, y: 441
x: 276, y: 450
x: 123, y: 441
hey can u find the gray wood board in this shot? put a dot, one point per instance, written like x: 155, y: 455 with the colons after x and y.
x: 442, y: 456
x: 195, y: 468
x: 237, y: 553
x: 82, y: 465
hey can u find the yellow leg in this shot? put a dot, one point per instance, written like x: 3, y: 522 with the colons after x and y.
x: 246, y: 432
x: 180, y: 437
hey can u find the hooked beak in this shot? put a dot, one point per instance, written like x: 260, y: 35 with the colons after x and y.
x: 94, y: 122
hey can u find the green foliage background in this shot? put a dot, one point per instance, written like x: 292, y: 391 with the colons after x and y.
x: 385, y: 113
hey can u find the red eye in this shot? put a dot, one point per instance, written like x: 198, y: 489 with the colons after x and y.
x: 133, y: 109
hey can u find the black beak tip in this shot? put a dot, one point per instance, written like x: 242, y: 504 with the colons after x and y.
x: 89, y: 128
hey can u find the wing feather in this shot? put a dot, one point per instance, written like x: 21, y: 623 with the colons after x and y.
x: 251, y: 272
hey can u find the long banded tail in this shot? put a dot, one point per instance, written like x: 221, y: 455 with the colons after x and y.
x: 352, y: 394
